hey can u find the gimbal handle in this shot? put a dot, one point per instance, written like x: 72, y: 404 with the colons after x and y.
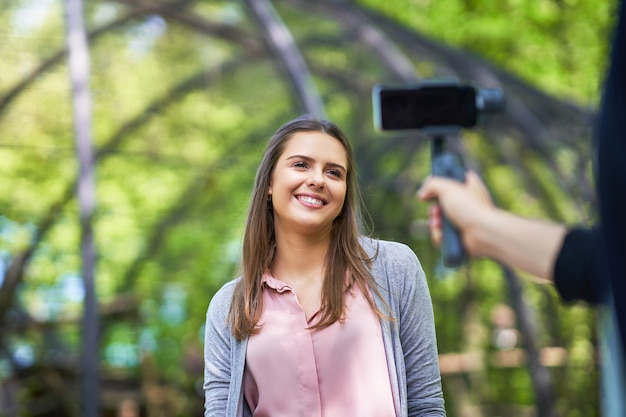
x: 448, y: 165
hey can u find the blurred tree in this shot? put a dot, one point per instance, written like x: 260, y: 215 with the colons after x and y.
x: 185, y: 94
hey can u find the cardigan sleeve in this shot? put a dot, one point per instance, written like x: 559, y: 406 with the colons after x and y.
x: 217, y: 354
x: 416, y: 323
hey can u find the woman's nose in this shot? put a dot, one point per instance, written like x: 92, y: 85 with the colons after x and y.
x: 316, y: 179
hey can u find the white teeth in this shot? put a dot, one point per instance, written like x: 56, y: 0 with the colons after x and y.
x: 310, y: 200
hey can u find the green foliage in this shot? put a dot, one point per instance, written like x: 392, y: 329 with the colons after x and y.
x: 555, y: 45
x: 180, y: 118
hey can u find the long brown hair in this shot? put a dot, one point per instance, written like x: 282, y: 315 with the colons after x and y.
x: 345, y: 253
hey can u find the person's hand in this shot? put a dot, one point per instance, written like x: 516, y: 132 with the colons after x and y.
x: 467, y: 205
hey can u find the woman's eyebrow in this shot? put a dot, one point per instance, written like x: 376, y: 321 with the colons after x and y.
x: 309, y: 159
x: 334, y: 165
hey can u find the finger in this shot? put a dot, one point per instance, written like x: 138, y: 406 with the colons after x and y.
x: 434, y: 215
x: 476, y: 185
x: 431, y: 188
x: 471, y: 177
x: 434, y: 224
x: 435, y: 236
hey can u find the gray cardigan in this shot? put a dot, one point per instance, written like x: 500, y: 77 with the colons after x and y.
x: 410, y: 342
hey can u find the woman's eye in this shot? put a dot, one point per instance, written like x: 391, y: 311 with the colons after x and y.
x: 335, y: 173
x: 300, y: 164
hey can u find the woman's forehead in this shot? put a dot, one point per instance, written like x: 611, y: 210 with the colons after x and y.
x: 318, y: 145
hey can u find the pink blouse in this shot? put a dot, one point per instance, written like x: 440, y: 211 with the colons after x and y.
x: 337, y: 371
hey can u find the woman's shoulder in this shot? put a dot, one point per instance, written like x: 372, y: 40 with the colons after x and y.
x: 222, y: 299
x: 393, y: 261
x: 382, y: 250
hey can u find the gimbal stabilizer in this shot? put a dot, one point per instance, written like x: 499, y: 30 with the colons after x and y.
x: 438, y: 108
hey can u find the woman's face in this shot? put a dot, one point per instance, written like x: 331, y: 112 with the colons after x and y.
x: 308, y: 185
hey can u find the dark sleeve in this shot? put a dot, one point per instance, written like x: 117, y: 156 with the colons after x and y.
x: 580, y: 270
x: 610, y: 136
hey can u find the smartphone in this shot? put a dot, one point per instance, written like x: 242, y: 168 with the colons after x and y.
x: 429, y: 106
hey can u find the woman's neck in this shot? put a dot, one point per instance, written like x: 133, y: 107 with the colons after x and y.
x: 300, y: 258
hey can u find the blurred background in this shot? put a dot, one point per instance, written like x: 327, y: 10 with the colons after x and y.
x: 185, y: 95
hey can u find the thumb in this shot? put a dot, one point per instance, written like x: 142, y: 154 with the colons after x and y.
x: 432, y: 187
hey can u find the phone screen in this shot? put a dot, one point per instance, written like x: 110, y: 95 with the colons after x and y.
x: 428, y: 106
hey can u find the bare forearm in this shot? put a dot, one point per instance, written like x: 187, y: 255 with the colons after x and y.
x: 528, y: 244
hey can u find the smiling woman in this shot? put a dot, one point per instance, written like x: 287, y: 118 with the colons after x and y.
x: 322, y: 321
x: 308, y: 185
